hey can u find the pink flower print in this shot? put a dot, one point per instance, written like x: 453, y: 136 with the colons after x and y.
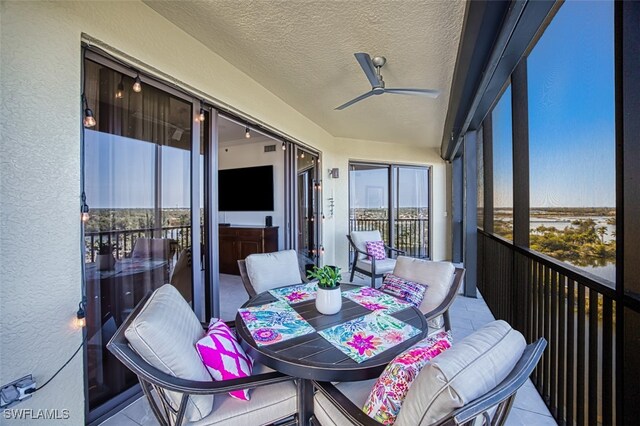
x: 368, y: 291
x: 364, y: 344
x: 393, y: 336
x: 266, y: 336
x: 295, y: 296
x: 248, y: 316
x: 372, y: 306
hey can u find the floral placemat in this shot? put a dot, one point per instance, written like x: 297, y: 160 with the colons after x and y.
x: 274, y: 322
x: 365, y: 337
x: 375, y: 300
x: 296, y: 293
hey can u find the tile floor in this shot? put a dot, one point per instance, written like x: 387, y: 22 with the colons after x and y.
x: 467, y: 315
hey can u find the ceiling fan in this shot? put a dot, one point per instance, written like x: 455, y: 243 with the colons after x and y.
x: 371, y: 68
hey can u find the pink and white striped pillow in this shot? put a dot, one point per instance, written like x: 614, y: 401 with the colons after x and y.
x: 224, y: 357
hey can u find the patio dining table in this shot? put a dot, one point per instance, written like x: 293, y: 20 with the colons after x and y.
x: 312, y: 357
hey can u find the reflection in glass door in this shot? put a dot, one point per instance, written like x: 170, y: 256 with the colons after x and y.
x: 411, y: 210
x: 138, y: 182
x: 308, y: 188
x: 393, y: 200
x: 369, y: 199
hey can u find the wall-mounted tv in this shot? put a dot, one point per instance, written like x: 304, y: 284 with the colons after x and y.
x: 249, y: 189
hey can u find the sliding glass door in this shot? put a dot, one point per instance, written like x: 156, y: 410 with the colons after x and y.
x: 141, y: 231
x: 393, y: 199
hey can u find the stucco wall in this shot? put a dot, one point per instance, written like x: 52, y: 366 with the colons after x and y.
x: 40, y: 60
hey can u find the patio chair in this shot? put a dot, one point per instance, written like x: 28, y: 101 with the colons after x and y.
x: 154, y: 248
x: 363, y: 263
x: 157, y: 342
x: 264, y: 271
x: 181, y: 277
x: 443, y: 281
x: 477, y: 378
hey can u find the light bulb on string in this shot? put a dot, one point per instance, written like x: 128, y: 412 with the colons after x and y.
x: 202, y: 115
x: 284, y: 146
x: 302, y: 155
x: 120, y: 90
x: 137, y: 84
x: 247, y: 132
x: 89, y: 119
x: 81, y: 319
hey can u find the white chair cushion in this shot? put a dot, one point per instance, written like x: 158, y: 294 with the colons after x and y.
x: 382, y: 266
x: 268, y: 404
x: 329, y: 415
x: 270, y: 270
x: 360, y: 239
x: 438, y: 276
x: 164, y: 334
x: 468, y: 370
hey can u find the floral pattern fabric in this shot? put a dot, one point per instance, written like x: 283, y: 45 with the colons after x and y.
x: 391, y: 388
x: 375, y: 249
x: 375, y: 300
x: 365, y: 337
x: 296, y: 293
x: 274, y: 322
x: 409, y: 291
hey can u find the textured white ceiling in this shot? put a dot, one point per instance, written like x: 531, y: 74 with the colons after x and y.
x: 302, y: 51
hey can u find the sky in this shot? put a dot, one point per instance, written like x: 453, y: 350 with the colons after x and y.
x: 571, y: 113
x: 120, y: 173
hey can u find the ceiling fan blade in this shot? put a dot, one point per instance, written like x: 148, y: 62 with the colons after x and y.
x: 431, y: 93
x: 367, y: 66
x: 353, y: 101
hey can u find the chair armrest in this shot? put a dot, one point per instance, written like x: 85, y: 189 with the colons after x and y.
x: 397, y: 251
x: 147, y: 372
x: 351, y: 411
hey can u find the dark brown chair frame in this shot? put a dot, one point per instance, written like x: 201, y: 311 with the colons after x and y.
x: 501, y: 396
x: 152, y: 378
x: 372, y: 273
x: 242, y: 265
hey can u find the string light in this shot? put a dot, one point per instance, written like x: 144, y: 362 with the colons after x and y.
x: 247, y: 132
x: 137, y: 84
x: 321, y: 250
x: 84, y: 209
x: 89, y: 119
x: 302, y: 155
x: 323, y: 217
x: 202, y: 116
x: 81, y: 319
x: 284, y: 146
x: 120, y: 91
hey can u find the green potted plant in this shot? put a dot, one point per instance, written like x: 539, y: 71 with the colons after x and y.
x: 104, y: 259
x: 329, y: 297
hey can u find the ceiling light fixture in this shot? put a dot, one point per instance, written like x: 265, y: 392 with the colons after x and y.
x: 120, y: 91
x: 89, y: 119
x: 137, y: 84
x: 247, y: 132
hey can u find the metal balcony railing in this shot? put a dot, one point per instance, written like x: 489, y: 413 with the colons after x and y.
x: 411, y: 235
x: 123, y: 240
x: 574, y: 311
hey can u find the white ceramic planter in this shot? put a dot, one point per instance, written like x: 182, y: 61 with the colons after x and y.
x: 329, y: 301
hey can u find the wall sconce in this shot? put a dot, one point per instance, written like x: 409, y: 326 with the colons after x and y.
x: 334, y: 173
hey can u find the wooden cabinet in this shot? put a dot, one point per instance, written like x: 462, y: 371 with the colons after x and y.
x: 238, y: 242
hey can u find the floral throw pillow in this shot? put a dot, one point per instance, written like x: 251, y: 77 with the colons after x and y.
x: 224, y: 358
x: 409, y: 291
x: 375, y: 249
x: 388, y: 393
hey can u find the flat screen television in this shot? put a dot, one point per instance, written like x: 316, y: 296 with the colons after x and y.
x: 249, y: 189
